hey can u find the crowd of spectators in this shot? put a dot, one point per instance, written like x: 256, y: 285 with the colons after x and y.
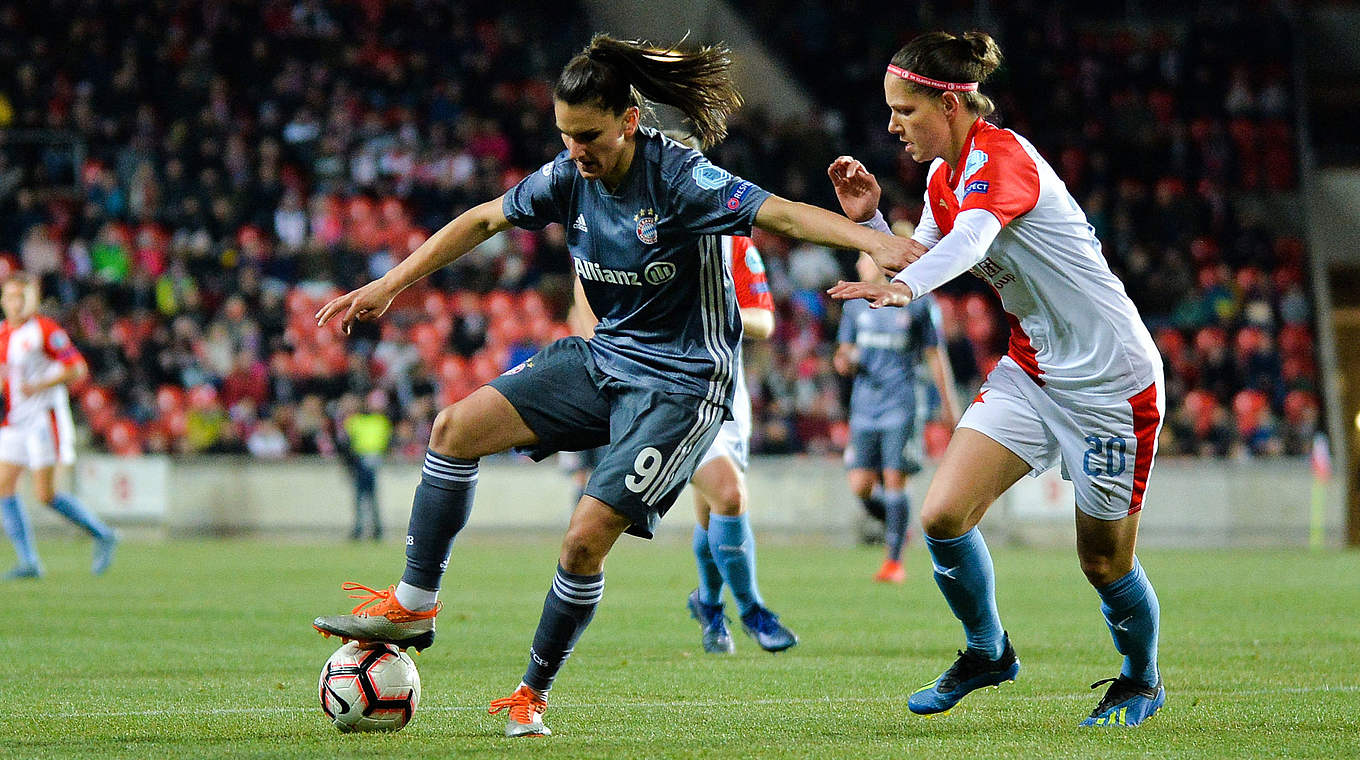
x: 1174, y: 130
x: 192, y: 180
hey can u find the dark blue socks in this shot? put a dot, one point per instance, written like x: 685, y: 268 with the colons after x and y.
x: 567, y: 611
x: 896, y: 514
x: 963, y: 571
x: 1133, y: 614
x: 442, y: 503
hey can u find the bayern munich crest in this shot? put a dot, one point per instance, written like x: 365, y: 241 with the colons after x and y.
x: 646, y: 225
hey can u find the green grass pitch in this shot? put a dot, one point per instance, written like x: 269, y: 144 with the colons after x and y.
x: 204, y: 649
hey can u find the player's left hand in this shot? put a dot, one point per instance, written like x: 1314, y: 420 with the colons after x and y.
x: 877, y: 294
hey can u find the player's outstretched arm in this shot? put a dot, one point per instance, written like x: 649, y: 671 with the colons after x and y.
x: 456, y: 238
x: 817, y: 225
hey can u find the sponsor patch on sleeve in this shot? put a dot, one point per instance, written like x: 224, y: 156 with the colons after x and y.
x: 976, y: 186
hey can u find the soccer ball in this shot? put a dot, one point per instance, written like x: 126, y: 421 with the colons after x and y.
x: 369, y: 687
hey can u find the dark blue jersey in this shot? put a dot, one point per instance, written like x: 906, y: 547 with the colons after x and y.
x: 890, y: 342
x: 650, y: 260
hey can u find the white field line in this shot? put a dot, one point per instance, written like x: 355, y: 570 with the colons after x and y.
x: 1179, y: 697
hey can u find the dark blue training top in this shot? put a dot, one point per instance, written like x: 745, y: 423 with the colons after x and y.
x: 890, y: 342
x: 650, y: 261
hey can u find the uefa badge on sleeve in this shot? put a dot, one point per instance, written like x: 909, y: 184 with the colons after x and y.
x: 646, y: 225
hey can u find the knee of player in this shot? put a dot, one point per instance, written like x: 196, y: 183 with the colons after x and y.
x: 862, y: 486
x: 1102, y: 570
x: 944, y: 518
x: 451, y: 434
x: 580, y: 554
x: 729, y: 500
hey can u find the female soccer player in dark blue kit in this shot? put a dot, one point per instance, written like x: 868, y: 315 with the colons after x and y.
x: 643, y: 216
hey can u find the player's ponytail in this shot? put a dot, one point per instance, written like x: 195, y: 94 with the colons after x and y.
x: 615, y: 74
x: 958, y: 59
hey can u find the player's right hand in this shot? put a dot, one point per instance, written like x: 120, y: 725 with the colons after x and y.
x: 365, y: 304
x: 856, y: 188
x: 898, y: 252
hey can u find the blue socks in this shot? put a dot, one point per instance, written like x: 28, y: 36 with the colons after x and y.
x: 567, y: 611
x: 963, y: 571
x: 896, y: 514
x: 733, y: 548
x: 67, y: 506
x: 16, y: 527
x: 710, y: 575
x: 441, y: 507
x: 1132, y: 614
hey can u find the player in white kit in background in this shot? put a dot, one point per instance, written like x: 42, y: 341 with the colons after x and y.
x: 724, y: 546
x: 37, y: 433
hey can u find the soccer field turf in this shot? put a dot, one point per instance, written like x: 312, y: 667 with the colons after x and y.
x: 204, y: 649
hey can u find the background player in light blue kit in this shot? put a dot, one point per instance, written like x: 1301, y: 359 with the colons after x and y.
x: 643, y: 216
x: 882, y: 350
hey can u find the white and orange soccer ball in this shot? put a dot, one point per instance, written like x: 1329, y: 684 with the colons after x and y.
x: 369, y: 687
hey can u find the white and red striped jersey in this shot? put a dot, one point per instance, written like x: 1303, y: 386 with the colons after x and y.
x: 32, y: 352
x: 1073, y: 326
x: 748, y: 273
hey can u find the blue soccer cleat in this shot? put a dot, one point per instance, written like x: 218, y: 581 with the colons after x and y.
x: 716, y: 638
x: 970, y: 672
x: 23, y: 572
x: 764, y: 626
x: 1126, y: 703
x: 103, y: 553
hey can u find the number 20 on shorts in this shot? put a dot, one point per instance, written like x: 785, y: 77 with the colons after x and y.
x: 1104, y: 449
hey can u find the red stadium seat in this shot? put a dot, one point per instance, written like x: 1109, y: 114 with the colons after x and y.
x: 169, y: 398
x: 1299, y: 406
x: 123, y: 438
x: 95, y: 399
x: 1249, y: 409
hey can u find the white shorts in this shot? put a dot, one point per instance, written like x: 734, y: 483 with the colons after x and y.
x: 1105, y: 446
x: 731, y: 443
x: 42, y: 441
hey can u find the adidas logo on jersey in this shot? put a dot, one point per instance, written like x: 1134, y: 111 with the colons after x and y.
x: 580, y: 224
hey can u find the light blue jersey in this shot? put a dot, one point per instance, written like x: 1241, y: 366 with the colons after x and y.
x: 650, y: 260
x: 890, y: 343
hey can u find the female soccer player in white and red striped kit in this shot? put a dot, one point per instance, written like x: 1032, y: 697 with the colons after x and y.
x: 1081, y: 385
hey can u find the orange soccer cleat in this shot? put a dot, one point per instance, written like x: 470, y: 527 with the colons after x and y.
x: 892, y: 571
x: 385, y: 621
x: 526, y: 712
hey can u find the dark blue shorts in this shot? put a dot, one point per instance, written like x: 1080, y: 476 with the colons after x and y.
x: 655, y: 438
x: 881, y: 449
